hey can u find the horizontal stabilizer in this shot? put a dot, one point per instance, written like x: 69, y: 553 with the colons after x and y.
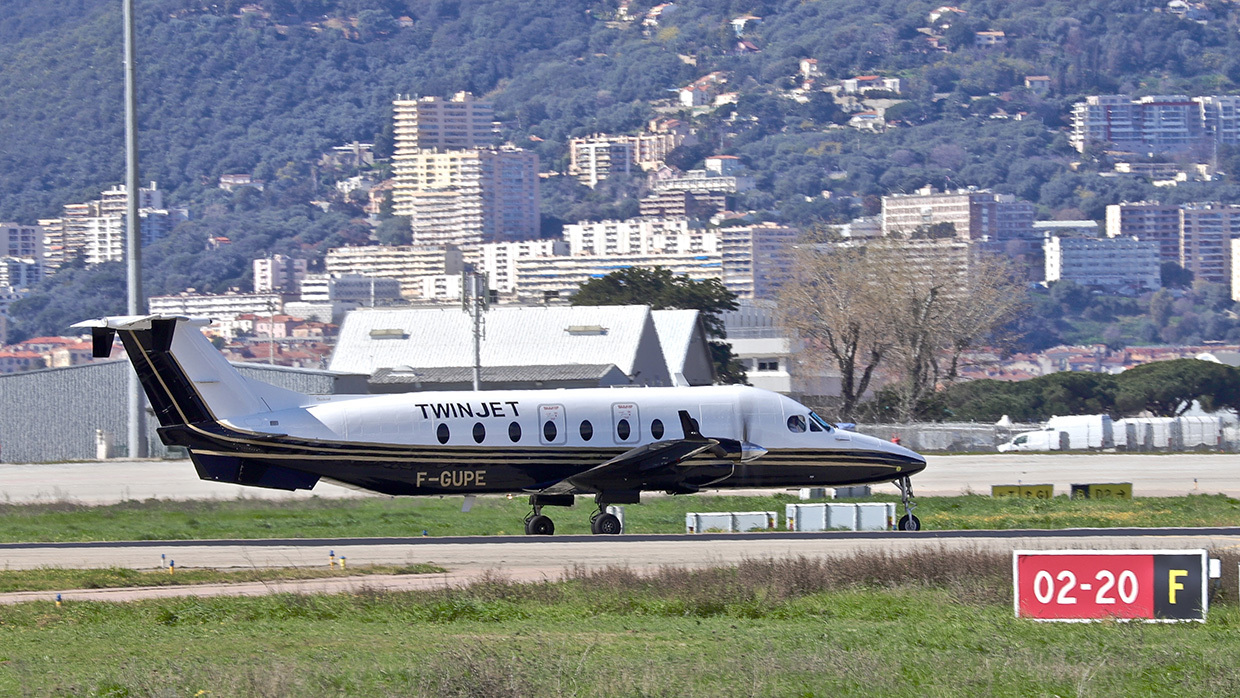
x: 101, y: 339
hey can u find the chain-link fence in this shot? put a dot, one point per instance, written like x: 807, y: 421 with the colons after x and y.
x: 970, y: 437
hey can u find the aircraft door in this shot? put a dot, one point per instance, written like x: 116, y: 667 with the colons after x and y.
x: 625, y: 423
x: 552, y: 425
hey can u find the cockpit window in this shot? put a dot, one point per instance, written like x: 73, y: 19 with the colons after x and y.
x: 820, y: 422
x: 796, y: 423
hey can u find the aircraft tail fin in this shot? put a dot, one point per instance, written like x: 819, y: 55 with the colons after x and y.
x: 186, y: 379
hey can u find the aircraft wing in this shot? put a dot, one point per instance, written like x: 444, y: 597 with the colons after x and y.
x: 652, y: 466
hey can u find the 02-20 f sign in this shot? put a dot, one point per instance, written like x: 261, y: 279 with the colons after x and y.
x: 1084, y: 585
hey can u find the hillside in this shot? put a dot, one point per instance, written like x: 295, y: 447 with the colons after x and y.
x: 265, y: 87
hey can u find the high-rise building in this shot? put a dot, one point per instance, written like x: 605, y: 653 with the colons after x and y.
x: 757, y: 258
x: 18, y: 240
x: 278, y: 273
x: 638, y: 236
x: 424, y: 123
x: 1206, y: 231
x: 975, y: 214
x: 1149, y: 221
x: 469, y: 197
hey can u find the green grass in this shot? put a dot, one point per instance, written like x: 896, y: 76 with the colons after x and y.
x: 56, y: 578
x: 932, y: 624
x: 333, y: 518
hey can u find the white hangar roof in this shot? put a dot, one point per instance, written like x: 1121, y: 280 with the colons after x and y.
x: 685, y: 349
x: 514, y: 336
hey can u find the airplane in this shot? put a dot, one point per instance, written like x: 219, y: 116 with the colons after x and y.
x: 554, y: 445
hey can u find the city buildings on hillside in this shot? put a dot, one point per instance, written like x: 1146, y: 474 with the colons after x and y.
x: 1160, y: 123
x: 95, y: 230
x: 1150, y: 221
x: 684, y: 204
x: 404, y: 263
x: 594, y: 158
x: 699, y: 182
x: 453, y: 180
x: 360, y: 290
x: 469, y: 197
x: 1113, y: 263
x: 1197, y: 236
x: 278, y: 273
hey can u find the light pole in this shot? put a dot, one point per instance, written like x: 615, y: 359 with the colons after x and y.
x: 133, y: 239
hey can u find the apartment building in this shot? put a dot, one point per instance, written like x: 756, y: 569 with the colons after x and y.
x: 350, y: 288
x: 976, y: 214
x: 684, y: 204
x: 1113, y: 263
x: 498, y: 260
x: 643, y: 236
x: 594, y: 158
x: 25, y: 241
x: 20, y: 272
x: 699, y: 182
x: 404, y: 263
x: 1150, y: 221
x: 95, y: 230
x: 222, y: 306
x: 1162, y: 123
x: 469, y: 197
x: 423, y: 123
x: 1206, y: 231
x: 757, y: 258
x: 541, y: 277
x: 278, y: 273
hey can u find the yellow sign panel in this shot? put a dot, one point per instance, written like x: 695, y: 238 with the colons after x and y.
x: 1023, y: 491
x: 1112, y: 490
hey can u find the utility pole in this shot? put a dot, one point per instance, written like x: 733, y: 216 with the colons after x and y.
x: 474, y: 298
x: 133, y: 237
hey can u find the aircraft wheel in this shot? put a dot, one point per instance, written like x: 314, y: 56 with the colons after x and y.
x: 908, y: 522
x: 606, y: 524
x: 539, y: 526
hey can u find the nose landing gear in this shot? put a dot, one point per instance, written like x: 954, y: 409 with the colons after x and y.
x: 908, y: 522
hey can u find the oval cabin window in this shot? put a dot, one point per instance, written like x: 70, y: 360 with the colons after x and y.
x: 549, y: 430
x: 796, y: 424
x: 587, y: 430
x: 623, y: 430
x: 656, y: 428
x: 514, y: 432
x: 442, y: 433
x: 480, y: 432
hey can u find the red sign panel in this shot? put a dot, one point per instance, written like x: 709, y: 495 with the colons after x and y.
x: 1091, y: 585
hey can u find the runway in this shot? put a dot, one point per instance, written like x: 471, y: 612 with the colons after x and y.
x: 528, y: 558
x: 109, y: 482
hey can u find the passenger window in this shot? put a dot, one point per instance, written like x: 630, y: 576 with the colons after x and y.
x: 480, y: 432
x: 796, y: 424
x: 442, y: 433
x: 587, y: 430
x: 623, y: 430
x: 656, y: 428
x: 549, y: 432
x: 514, y: 432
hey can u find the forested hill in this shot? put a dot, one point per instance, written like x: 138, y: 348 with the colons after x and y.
x: 237, y: 87
x: 264, y: 87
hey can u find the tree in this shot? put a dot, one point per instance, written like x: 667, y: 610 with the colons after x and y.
x: 824, y: 305
x: 660, y: 289
x: 1169, y: 388
x: 883, y: 305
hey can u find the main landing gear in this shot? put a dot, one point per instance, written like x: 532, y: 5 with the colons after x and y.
x: 538, y: 524
x: 908, y: 522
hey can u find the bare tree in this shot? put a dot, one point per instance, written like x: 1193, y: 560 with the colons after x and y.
x: 824, y: 304
x: 912, y: 307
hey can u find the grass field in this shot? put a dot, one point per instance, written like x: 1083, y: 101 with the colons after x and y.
x: 930, y: 624
x: 56, y: 578
x: 333, y: 518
